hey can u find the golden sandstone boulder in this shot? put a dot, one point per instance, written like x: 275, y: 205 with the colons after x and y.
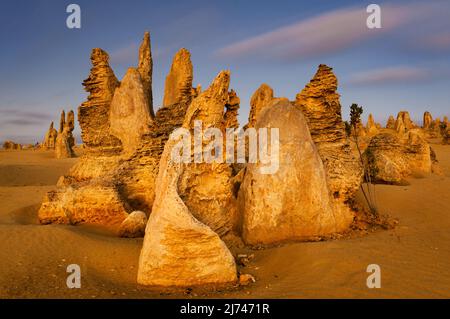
x: 320, y: 105
x: 393, y: 158
x: 134, y: 225
x: 178, y: 249
x: 295, y: 202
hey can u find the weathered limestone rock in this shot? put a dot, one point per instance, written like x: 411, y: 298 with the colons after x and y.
x: 371, y: 126
x: 178, y: 86
x: 93, y: 204
x: 134, y: 225
x: 400, y: 127
x: 65, y: 140
x: 10, y: 145
x: 207, y: 188
x: 179, y: 250
x: 390, y: 123
x: 50, y: 138
x: 93, y: 114
x: 232, y: 108
x: 392, y: 158
x: 62, y: 122
x: 406, y: 119
x: 261, y: 98
x: 320, y: 104
x: 446, y: 136
x: 427, y: 120
x: 145, y: 69
x: 295, y: 202
x: 130, y: 116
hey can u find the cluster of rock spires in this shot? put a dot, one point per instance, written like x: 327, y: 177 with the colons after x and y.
x: 199, y: 212
x: 61, y: 141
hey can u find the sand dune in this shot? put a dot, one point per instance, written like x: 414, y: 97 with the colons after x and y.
x: 414, y: 257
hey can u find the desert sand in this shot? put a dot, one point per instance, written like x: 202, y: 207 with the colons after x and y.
x: 414, y: 256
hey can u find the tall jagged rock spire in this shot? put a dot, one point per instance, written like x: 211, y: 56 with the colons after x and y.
x: 145, y: 68
x: 320, y: 104
x: 178, y: 86
x: 93, y: 114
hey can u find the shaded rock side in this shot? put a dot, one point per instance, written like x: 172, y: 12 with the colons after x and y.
x: 393, y: 158
x: 130, y: 116
x: 145, y: 68
x: 295, y: 202
x: 179, y: 250
x: 178, y: 85
x: 320, y: 104
x: 93, y: 114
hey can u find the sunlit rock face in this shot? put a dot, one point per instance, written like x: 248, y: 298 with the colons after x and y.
x: 392, y: 158
x: 178, y: 249
x: 294, y: 202
x: 320, y: 105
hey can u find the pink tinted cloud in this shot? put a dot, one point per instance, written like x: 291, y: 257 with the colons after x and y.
x: 396, y: 74
x: 324, y: 34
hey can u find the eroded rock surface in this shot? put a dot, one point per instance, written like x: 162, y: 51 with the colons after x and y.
x: 295, y: 202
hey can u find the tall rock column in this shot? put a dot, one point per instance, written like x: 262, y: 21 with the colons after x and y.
x: 178, y: 85
x: 320, y: 104
x: 145, y: 69
x: 93, y: 114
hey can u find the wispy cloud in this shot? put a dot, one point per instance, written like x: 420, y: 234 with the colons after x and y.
x: 389, y: 75
x: 325, y: 34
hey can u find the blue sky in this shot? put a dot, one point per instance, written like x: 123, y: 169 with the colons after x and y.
x: 403, y: 65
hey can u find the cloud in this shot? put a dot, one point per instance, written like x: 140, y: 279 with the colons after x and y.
x: 325, y: 34
x: 7, y: 112
x: 389, y: 75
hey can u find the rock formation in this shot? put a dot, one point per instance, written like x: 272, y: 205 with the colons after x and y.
x: 178, y: 249
x: 320, y: 104
x: 123, y: 146
x: 371, y: 126
x: 261, y: 98
x: 50, y: 138
x: 10, y: 145
x: 206, y: 188
x: 65, y: 140
x: 392, y: 158
x: 400, y: 127
x: 93, y: 114
x: 145, y: 69
x: 404, y: 118
x: 295, y: 202
x: 427, y: 120
x: 390, y: 124
x: 130, y: 115
x: 178, y: 87
x: 134, y: 225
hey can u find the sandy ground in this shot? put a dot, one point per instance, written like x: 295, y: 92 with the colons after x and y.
x: 414, y: 257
